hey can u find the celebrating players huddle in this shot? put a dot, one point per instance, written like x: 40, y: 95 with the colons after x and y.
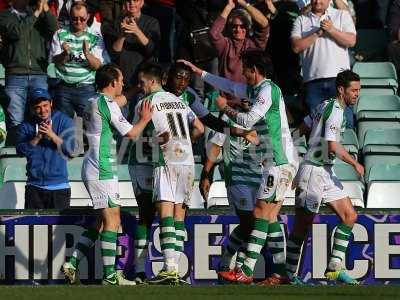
x: 260, y: 165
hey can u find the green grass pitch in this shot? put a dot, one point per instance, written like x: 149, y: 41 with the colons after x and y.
x: 229, y: 292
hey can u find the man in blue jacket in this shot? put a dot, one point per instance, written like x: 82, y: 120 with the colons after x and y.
x: 47, y: 140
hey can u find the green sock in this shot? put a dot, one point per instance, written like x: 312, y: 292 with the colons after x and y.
x: 168, y: 241
x: 293, y: 250
x: 257, y: 239
x: 85, y: 242
x: 141, y: 247
x: 240, y: 257
x: 180, y: 240
x: 108, y: 251
x: 276, y: 244
x: 340, y: 243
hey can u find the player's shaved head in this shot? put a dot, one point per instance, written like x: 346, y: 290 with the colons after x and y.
x: 152, y: 71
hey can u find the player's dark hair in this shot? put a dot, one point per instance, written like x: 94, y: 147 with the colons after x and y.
x: 260, y: 60
x: 345, y: 77
x: 105, y: 75
x: 153, y: 70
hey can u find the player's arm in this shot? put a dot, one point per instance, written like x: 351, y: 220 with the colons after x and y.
x: 332, y: 136
x: 223, y: 84
x: 206, y: 177
x: 197, y: 131
x: 248, y: 119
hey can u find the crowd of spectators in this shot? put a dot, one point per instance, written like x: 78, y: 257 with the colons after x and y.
x: 308, y: 42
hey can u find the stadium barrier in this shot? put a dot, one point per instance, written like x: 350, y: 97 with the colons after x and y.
x: 33, y: 246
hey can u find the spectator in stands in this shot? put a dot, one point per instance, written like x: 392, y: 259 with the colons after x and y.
x: 170, y: 25
x: 238, y: 40
x: 46, y: 140
x: 3, y: 131
x: 77, y: 53
x: 62, y: 8
x: 281, y: 15
x: 394, y: 29
x: 132, y: 39
x: 322, y: 37
x: 24, y: 30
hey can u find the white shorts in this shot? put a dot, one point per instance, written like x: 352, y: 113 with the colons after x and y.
x: 173, y: 183
x: 103, y: 193
x: 242, y: 197
x: 142, y: 178
x: 317, y: 185
x: 275, y: 182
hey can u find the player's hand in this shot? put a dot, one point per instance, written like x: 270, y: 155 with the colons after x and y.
x: 146, y: 111
x: 194, y: 68
x: 252, y: 137
x: 46, y: 129
x: 359, y: 169
x: 221, y: 102
x: 121, y: 100
x: 204, y: 187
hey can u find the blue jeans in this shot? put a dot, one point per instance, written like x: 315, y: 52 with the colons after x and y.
x: 18, y: 88
x: 319, y: 90
x: 70, y: 99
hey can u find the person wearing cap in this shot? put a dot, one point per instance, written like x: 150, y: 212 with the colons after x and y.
x: 77, y: 53
x: 238, y: 23
x: 47, y: 141
x: 25, y: 31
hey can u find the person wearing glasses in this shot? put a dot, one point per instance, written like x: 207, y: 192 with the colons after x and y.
x: 77, y: 53
x: 231, y: 46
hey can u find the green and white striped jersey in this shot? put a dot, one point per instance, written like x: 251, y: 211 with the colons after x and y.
x: 101, y: 116
x: 241, y: 165
x: 267, y: 116
x: 76, y: 69
x: 170, y: 127
x: 327, y: 123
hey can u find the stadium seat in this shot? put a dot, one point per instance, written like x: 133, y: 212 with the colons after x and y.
x: 377, y: 75
x: 378, y: 103
x: 383, y: 182
x: 51, y: 71
x: 8, y: 152
x: 370, y: 120
x: 353, y: 185
x: 376, y: 92
x: 381, y: 147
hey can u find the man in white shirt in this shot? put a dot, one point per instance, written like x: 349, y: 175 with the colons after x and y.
x: 322, y: 38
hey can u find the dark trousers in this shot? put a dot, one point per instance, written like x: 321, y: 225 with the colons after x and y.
x: 37, y: 198
x: 394, y: 55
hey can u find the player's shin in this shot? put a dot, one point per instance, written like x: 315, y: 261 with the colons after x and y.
x: 180, y: 239
x: 108, y: 252
x: 141, y: 247
x: 235, y: 240
x: 293, y: 253
x: 340, y: 243
x: 168, y: 241
x: 276, y: 244
x: 85, y: 242
x: 255, y: 243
